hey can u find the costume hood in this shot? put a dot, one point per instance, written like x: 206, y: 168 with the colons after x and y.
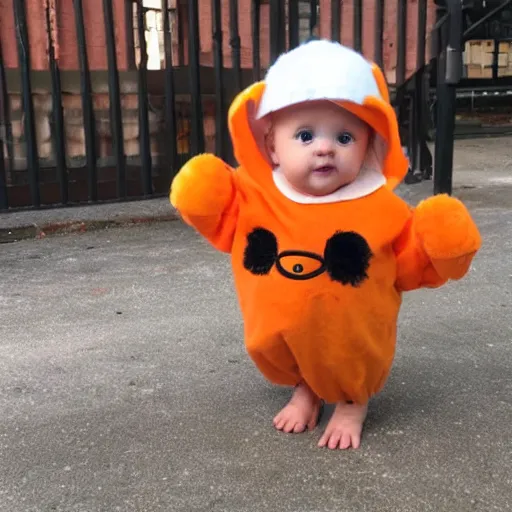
x: 318, y: 70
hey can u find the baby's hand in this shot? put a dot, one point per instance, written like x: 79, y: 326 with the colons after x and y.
x: 448, y: 235
x: 203, y: 187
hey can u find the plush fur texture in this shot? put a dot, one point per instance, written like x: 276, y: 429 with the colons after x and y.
x: 444, y: 214
x: 205, y: 193
x: 335, y: 328
x: 261, y: 251
x: 347, y: 257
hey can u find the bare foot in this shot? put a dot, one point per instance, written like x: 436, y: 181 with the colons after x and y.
x: 345, y: 426
x: 300, y: 413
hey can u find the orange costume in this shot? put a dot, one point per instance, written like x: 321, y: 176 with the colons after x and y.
x: 320, y: 284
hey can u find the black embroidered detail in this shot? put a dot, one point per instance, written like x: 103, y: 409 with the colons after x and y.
x: 261, y: 251
x: 347, y: 258
x: 298, y: 268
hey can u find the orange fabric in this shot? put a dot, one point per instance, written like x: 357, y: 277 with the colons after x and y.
x: 381, y: 82
x: 339, y: 338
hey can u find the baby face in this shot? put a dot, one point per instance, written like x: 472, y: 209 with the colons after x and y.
x: 319, y: 146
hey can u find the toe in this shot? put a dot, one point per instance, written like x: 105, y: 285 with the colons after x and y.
x: 289, y: 425
x: 345, y: 441
x: 323, y: 440
x: 356, y: 440
x: 277, y: 419
x: 299, y: 428
x: 334, y: 440
x: 280, y: 422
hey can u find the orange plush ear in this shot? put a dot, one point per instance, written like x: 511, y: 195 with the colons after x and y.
x: 381, y: 82
x: 248, y: 133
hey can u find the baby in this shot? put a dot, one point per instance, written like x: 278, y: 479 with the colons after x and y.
x: 321, y: 247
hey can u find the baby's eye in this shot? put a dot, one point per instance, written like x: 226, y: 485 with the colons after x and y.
x: 345, y: 138
x: 305, y: 136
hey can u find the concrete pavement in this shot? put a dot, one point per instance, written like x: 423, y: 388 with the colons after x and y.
x: 124, y: 384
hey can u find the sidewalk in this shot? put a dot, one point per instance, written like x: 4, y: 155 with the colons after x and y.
x: 482, y: 173
x: 125, y: 385
x: 20, y: 225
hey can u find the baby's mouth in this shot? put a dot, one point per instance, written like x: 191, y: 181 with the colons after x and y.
x: 325, y: 169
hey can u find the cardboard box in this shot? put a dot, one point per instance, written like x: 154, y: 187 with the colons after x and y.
x: 481, y: 52
x: 476, y: 54
x: 487, y: 59
x: 504, y: 72
x: 474, y: 71
x: 504, y: 47
x: 488, y: 45
x: 487, y: 72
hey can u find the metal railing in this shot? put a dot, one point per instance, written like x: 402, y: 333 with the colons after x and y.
x: 187, y: 80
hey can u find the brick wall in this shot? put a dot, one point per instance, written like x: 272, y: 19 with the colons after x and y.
x: 324, y: 30
x: 244, y: 27
x: 95, y: 32
x: 65, y: 34
x: 390, y: 31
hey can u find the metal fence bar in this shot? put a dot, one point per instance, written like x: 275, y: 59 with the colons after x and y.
x: 4, y: 118
x: 220, y: 134
x: 420, y: 148
x: 181, y: 36
x: 57, y: 113
x: 313, y: 18
x: 143, y: 101
x: 358, y: 25
x: 495, y: 57
x: 4, y: 201
x: 336, y: 20
x: 28, y: 106
x: 422, y: 33
x: 170, y: 111
x: 401, y: 38
x: 293, y: 23
x: 412, y: 132
x: 87, y: 106
x: 234, y: 42
x: 379, y: 33
x: 114, y: 93
x: 444, y: 125
x: 448, y: 75
x: 197, y: 131
x: 255, y: 35
x: 130, y: 33
x: 5, y: 113
x: 275, y: 28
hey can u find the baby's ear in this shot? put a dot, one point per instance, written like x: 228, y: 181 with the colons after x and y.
x: 260, y: 129
x: 270, y: 146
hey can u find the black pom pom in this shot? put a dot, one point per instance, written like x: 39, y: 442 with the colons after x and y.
x: 347, y: 258
x: 261, y: 251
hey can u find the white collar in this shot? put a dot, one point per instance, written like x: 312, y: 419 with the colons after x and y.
x: 367, y: 181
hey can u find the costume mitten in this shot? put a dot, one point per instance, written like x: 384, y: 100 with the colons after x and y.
x: 448, y: 235
x: 203, y: 188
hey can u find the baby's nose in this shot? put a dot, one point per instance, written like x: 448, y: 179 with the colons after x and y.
x: 324, y: 146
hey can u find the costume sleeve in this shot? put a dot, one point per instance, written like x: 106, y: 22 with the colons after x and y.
x: 205, y: 195
x: 437, y: 244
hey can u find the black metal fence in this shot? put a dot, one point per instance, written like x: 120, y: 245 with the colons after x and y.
x: 183, y: 87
